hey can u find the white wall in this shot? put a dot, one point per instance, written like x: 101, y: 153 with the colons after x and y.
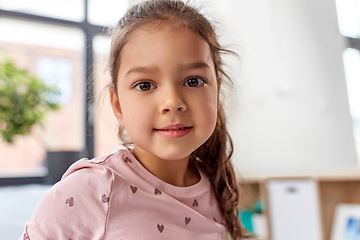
x: 290, y: 111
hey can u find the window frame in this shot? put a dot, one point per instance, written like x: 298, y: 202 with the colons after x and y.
x: 353, y: 42
x: 90, y: 30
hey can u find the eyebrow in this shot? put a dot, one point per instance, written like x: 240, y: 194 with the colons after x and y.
x: 151, y: 69
x: 196, y: 65
x: 142, y: 70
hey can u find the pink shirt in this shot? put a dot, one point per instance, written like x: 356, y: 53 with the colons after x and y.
x: 115, y: 197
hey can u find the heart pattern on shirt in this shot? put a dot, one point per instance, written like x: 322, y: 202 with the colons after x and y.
x: 160, y: 228
x: 133, y: 188
x: 157, y: 191
x: 70, y: 201
x: 105, y: 199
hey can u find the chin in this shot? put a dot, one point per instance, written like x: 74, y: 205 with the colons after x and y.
x: 173, y: 157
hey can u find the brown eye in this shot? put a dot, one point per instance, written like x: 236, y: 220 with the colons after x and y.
x: 145, y: 86
x: 194, y: 82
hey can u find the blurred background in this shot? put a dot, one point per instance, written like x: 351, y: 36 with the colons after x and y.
x: 294, y: 107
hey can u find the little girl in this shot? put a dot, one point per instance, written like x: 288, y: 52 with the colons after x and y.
x: 176, y: 182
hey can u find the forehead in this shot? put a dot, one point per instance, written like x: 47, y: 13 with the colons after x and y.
x: 159, y: 38
x: 169, y: 26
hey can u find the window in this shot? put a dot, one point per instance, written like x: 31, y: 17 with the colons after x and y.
x: 106, y: 12
x: 106, y: 125
x: 55, y: 54
x: 72, y: 10
x: 58, y: 48
x: 348, y: 12
x: 351, y: 58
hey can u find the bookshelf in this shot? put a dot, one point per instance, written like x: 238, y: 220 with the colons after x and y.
x: 334, y: 187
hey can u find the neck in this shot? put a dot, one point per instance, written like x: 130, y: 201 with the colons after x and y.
x: 179, y: 173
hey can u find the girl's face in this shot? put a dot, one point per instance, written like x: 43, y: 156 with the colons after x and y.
x: 167, y: 92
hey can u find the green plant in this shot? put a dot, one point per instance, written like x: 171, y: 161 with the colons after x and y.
x: 24, y: 100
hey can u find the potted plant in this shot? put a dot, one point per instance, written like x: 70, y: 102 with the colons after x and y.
x: 24, y: 100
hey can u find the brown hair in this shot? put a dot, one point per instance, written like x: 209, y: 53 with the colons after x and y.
x: 214, y: 155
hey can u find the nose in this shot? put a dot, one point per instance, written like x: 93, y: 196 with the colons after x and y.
x: 172, y: 101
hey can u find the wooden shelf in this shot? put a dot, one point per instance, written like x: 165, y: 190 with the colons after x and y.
x: 334, y: 187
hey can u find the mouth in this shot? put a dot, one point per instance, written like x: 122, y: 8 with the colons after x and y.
x: 174, y: 130
x: 174, y: 127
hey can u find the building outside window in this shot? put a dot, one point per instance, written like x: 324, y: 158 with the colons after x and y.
x: 65, y: 46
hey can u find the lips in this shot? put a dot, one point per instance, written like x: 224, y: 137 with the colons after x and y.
x: 174, y: 130
x: 174, y: 127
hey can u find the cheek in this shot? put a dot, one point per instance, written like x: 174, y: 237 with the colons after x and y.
x: 136, y: 117
x: 213, y: 110
x: 211, y: 117
x: 207, y: 113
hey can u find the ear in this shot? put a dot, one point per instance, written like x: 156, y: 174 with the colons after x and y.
x: 115, y: 104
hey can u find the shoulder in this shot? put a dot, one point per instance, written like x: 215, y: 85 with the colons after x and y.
x: 77, y: 206
x: 97, y: 171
